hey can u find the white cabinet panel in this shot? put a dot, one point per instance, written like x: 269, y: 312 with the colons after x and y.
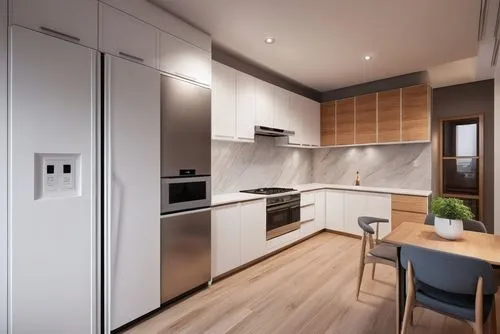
x: 52, y: 109
x: 125, y: 36
x: 296, y: 123
x: 307, y: 228
x: 314, y: 123
x: 226, y: 243
x: 245, y: 106
x: 282, y: 241
x: 307, y: 213
x: 185, y: 60
x: 133, y: 107
x: 253, y: 230
x: 264, y: 105
x: 74, y: 18
x: 223, y: 101
x: 319, y: 210
x: 307, y: 198
x: 366, y: 204
x: 281, y: 105
x: 334, y: 204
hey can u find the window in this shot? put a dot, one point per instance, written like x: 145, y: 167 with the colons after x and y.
x: 461, y: 161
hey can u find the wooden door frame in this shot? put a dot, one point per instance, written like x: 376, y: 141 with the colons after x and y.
x: 480, y: 157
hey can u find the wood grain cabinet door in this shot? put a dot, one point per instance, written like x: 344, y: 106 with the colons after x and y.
x: 366, y: 119
x: 389, y: 116
x: 328, y: 124
x: 345, y: 122
x: 416, y: 113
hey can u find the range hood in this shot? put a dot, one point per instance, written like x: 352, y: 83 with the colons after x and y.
x: 272, y: 132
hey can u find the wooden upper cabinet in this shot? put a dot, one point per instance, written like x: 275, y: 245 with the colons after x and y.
x: 366, y: 119
x: 345, y: 122
x: 328, y: 124
x: 416, y: 115
x: 389, y: 116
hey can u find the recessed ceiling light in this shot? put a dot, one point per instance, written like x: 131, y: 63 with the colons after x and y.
x: 367, y: 57
x: 269, y: 40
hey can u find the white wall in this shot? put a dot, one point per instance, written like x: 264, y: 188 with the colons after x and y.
x: 496, y: 176
x: 3, y: 166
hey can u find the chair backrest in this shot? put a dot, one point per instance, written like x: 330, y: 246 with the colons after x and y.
x: 469, y: 225
x: 475, y: 226
x: 449, y: 272
x: 429, y: 219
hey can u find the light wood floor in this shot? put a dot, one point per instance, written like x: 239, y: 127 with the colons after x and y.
x: 309, y: 288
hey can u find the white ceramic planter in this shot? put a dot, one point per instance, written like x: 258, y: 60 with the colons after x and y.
x: 448, y: 228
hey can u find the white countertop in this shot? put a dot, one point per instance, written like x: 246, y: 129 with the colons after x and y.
x: 222, y: 199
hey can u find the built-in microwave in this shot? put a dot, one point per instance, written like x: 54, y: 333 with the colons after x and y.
x: 185, y: 193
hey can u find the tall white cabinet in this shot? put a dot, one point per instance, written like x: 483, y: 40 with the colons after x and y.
x: 3, y: 166
x: 52, y: 110
x: 132, y: 158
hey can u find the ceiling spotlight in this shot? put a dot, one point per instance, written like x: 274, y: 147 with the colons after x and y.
x: 269, y: 40
x: 367, y: 57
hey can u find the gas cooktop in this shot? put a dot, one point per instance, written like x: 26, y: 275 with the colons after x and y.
x: 268, y: 191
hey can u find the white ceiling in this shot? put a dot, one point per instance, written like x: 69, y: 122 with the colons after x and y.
x: 321, y: 43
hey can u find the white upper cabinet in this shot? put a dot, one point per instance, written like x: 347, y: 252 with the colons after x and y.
x: 264, y: 104
x: 281, y: 108
x: 245, y: 107
x: 223, y: 101
x: 180, y: 58
x: 125, y: 36
x: 253, y: 230
x: 72, y: 20
x: 295, y: 117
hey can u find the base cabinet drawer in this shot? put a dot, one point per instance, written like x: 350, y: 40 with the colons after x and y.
x: 282, y: 241
x: 307, y: 213
x: 408, y: 203
x: 399, y: 217
x: 307, y: 228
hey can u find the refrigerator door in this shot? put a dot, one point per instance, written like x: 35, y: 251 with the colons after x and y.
x: 185, y: 252
x: 132, y: 188
x: 186, y: 128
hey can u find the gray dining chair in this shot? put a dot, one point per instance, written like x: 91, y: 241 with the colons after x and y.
x: 377, y: 252
x: 469, y: 224
x: 454, y: 285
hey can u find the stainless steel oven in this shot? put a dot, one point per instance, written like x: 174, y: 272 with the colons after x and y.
x: 185, y: 193
x: 283, y: 215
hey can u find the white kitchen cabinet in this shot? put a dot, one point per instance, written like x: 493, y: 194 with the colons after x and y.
x: 334, y: 210
x: 264, y: 104
x: 310, y: 118
x: 307, y: 198
x: 223, y: 101
x: 281, y: 108
x: 319, y: 210
x: 307, y: 228
x: 245, y: 107
x: 226, y: 238
x: 358, y: 204
x: 52, y: 109
x: 125, y: 36
x: 295, y: 119
x: 133, y: 107
x: 307, y: 213
x: 253, y: 230
x: 72, y: 20
x: 282, y: 241
x: 182, y: 59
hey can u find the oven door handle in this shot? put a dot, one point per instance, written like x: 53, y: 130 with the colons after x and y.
x: 278, y: 208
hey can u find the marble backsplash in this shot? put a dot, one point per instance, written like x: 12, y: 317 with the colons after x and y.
x: 237, y: 166
x: 405, y: 166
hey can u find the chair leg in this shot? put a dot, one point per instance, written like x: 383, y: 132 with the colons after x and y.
x: 373, y: 271
x: 478, y: 323
x: 493, y: 319
x: 411, y: 316
x: 410, y: 299
x: 361, y: 264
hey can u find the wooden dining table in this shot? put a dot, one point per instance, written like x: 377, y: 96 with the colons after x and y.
x: 482, y: 246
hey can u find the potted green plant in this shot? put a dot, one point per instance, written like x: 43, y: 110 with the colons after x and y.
x: 450, y: 214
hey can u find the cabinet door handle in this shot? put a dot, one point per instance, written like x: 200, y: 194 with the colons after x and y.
x: 185, y: 76
x: 63, y: 35
x: 131, y: 57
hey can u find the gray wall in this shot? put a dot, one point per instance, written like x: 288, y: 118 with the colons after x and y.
x: 237, y: 166
x: 405, y: 80
x: 465, y: 100
x: 405, y: 166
